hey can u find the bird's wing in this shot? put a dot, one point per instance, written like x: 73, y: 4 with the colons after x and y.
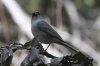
x: 43, y: 26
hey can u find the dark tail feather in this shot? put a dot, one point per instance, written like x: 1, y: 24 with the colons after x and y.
x: 69, y: 46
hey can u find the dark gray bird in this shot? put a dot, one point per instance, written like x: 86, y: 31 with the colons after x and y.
x: 46, y: 34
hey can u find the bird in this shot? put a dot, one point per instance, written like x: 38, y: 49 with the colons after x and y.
x: 46, y: 34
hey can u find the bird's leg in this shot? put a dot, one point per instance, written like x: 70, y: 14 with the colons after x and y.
x: 47, y: 47
x: 44, y: 52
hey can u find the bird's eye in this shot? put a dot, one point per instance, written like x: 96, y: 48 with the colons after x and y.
x: 35, y: 13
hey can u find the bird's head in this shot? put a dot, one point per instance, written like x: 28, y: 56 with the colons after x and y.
x: 36, y: 17
x: 35, y: 14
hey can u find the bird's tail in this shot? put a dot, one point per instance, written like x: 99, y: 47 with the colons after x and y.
x: 69, y: 46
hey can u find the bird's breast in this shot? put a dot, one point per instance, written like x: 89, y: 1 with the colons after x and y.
x: 42, y: 36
